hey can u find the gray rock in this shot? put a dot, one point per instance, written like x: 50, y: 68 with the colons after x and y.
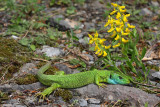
x: 156, y: 75
x: 27, y: 87
x: 14, y: 37
x: 30, y: 100
x: 28, y: 68
x: 94, y: 105
x: 91, y: 58
x: 82, y: 103
x: 146, y: 11
x: 58, y: 17
x: 155, y: 3
x: 7, y: 105
x: 6, y: 88
x: 94, y: 101
x: 64, y: 68
x: 136, y: 96
x: 89, y: 26
x: 83, y: 41
x: 15, y: 105
x: 51, y: 51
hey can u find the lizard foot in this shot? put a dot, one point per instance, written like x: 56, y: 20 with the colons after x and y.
x: 41, y: 95
x: 102, y: 85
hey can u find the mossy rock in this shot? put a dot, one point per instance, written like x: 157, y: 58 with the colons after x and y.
x: 27, y: 79
x: 65, y: 94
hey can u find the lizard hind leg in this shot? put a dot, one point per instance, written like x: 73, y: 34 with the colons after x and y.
x: 48, y: 91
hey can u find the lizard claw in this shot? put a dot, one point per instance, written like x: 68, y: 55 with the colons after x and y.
x: 41, y: 95
x: 102, y: 85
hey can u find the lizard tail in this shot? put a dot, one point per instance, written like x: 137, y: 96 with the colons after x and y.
x: 43, y: 69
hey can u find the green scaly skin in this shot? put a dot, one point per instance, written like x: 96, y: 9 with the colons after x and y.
x: 60, y: 80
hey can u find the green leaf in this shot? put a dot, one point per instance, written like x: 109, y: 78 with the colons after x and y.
x: 83, y: 64
x: 68, y: 34
x: 75, y: 38
x: 24, y: 41
x: 143, y: 53
x: 91, y: 48
x: 123, y: 68
x: 33, y: 47
x: 71, y: 10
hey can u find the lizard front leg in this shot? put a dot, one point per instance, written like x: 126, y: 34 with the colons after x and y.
x: 97, y: 81
x: 48, y: 90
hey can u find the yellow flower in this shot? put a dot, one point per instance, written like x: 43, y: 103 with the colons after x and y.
x: 104, y: 53
x: 98, y: 51
x: 127, y: 15
x: 118, y: 29
x: 127, y: 30
x: 96, y: 47
x: 124, y: 41
x: 114, y: 34
x: 124, y: 33
x: 110, y: 21
x: 114, y: 4
x: 121, y: 7
x: 111, y: 29
x: 101, y: 41
x: 113, y: 12
x: 93, y: 39
x: 130, y: 26
x: 118, y: 15
x: 125, y: 19
x: 117, y: 37
x: 122, y: 10
x: 107, y: 47
x: 117, y: 45
x: 96, y: 35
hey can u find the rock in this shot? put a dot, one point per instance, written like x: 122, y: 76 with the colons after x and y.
x: 64, y: 68
x: 28, y: 68
x: 32, y: 86
x: 6, y: 88
x: 156, y: 75
x: 83, y: 41
x: 51, y: 51
x: 7, y: 105
x: 146, y: 11
x: 91, y: 58
x: 136, y: 96
x: 93, y: 105
x: 155, y: 3
x: 14, y: 37
x: 82, y: 103
x: 94, y: 101
x: 30, y: 101
x: 89, y: 26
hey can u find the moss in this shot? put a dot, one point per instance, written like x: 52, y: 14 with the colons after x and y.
x: 3, y: 96
x: 12, y: 57
x: 27, y: 79
x: 65, y: 94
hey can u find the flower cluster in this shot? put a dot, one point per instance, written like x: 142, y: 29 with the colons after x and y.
x: 119, y: 26
x: 99, y: 44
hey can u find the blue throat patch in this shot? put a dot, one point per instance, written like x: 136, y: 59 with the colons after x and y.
x: 112, y: 81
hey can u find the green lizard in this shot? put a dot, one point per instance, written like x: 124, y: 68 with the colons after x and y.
x: 60, y: 80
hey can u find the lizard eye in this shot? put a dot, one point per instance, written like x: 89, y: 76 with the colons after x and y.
x: 120, y: 77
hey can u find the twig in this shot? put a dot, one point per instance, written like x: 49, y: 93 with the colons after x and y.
x: 5, y: 73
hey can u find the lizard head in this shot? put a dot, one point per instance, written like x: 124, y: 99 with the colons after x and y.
x: 116, y: 78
